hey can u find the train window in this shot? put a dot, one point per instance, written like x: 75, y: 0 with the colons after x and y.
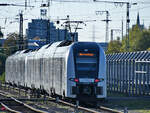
x: 49, y: 45
x: 28, y: 50
x: 85, y: 60
x: 65, y: 43
x: 86, y: 67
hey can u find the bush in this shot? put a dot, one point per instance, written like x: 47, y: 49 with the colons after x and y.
x: 2, y: 77
x: 148, y: 49
x: 2, y: 63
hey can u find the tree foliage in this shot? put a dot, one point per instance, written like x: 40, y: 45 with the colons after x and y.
x: 2, y: 77
x: 148, y: 49
x: 8, y: 48
x: 135, y: 35
x: 139, y: 40
x: 144, y: 41
x: 114, y: 47
x: 10, y: 43
x: 2, y: 62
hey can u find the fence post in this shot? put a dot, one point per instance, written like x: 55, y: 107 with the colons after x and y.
x: 111, y: 75
x: 114, y: 73
x: 129, y: 77
x: 133, y: 76
x: 148, y: 78
x: 117, y: 73
x: 144, y: 78
x: 120, y: 76
x: 140, y: 78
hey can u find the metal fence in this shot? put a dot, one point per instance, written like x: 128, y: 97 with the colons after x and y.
x: 129, y: 73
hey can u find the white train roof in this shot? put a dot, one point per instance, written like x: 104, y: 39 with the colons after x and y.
x: 48, y: 50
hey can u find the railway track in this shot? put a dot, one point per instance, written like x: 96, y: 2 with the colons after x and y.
x: 76, y: 107
x: 13, y: 105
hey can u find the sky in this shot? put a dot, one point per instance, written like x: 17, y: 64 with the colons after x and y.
x: 82, y: 10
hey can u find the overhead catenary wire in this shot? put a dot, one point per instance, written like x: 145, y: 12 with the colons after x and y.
x: 73, y: 15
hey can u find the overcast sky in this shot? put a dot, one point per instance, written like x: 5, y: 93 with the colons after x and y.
x: 77, y: 11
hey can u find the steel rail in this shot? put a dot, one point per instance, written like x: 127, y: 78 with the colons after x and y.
x: 21, y: 103
x: 68, y: 104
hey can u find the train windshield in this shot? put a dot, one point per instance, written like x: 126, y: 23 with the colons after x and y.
x: 86, y: 58
x: 86, y: 65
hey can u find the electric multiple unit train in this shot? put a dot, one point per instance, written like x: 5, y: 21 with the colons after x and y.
x: 69, y: 69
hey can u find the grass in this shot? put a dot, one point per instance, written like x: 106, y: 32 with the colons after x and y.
x: 116, y: 94
x: 138, y: 104
x: 144, y: 111
x: 134, y: 105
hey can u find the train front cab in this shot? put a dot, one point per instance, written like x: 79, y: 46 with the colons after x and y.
x: 90, y: 76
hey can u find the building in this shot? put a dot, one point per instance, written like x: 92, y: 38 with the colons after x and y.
x: 141, y: 26
x: 45, y: 31
x: 37, y: 28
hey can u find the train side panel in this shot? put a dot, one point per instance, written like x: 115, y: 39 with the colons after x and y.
x: 70, y: 74
x: 102, y: 74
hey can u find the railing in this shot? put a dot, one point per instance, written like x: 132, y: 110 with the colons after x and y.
x: 129, y: 73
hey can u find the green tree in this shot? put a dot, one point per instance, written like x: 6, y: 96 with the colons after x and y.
x: 139, y: 40
x: 114, y: 47
x: 144, y: 41
x: 2, y: 77
x: 148, y: 49
x: 10, y: 44
x: 2, y: 63
x: 134, y: 37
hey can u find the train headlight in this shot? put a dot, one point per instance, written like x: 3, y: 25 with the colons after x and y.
x: 98, y: 80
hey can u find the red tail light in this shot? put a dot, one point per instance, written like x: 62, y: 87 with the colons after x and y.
x: 3, y: 108
x: 96, y: 80
x: 76, y: 80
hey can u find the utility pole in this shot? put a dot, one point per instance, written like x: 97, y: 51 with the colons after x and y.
x: 68, y: 24
x: 112, y: 33
x: 21, y: 41
x: 127, y: 27
x: 93, y: 33
x: 122, y: 29
x: 25, y: 4
x: 107, y: 20
x: 127, y: 18
x: 111, y: 39
x: 48, y: 5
